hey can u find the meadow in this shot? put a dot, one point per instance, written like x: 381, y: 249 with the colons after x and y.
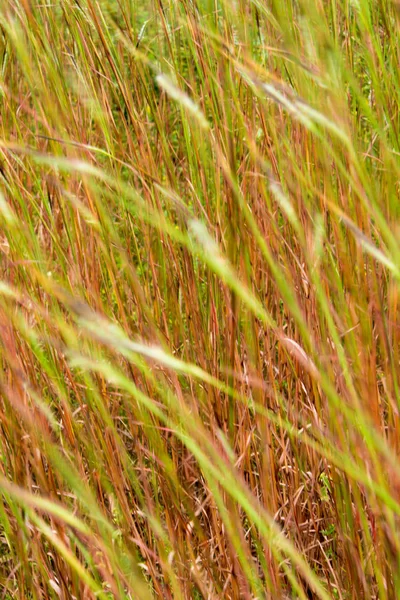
x: 199, y: 299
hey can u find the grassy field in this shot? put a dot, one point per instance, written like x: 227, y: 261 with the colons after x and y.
x: 199, y: 299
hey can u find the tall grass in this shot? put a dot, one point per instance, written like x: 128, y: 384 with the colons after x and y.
x: 199, y: 299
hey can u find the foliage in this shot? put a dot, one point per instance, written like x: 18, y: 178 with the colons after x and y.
x: 199, y: 299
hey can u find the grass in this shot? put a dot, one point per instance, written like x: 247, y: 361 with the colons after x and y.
x: 199, y: 299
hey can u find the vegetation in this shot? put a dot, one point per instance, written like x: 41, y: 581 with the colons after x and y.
x: 199, y: 299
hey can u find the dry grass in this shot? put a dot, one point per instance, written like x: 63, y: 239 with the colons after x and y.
x: 199, y: 299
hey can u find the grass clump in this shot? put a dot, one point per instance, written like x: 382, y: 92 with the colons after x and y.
x: 199, y: 299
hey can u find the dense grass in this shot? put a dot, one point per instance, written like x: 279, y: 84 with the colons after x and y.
x: 199, y: 299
